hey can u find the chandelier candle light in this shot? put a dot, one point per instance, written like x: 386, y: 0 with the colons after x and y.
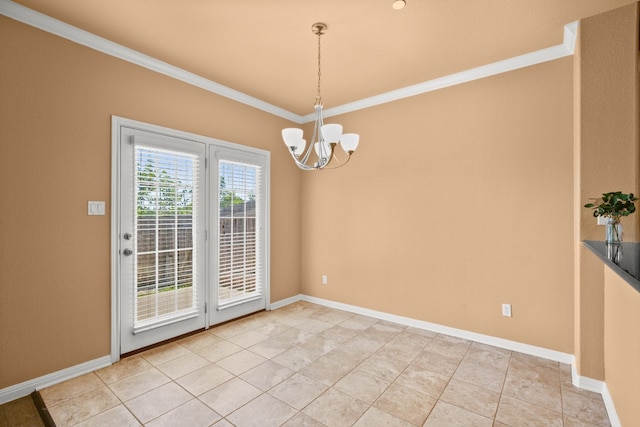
x: 324, y: 137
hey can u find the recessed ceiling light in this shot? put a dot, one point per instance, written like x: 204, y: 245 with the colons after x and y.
x: 398, y: 4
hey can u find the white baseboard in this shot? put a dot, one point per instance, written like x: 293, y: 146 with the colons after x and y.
x: 459, y: 333
x: 23, y: 389
x: 279, y: 304
x: 611, y: 409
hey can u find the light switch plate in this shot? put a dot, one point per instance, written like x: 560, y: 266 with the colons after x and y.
x: 96, y: 207
x: 602, y: 220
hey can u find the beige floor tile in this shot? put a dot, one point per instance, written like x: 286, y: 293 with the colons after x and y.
x: 472, y: 398
x: 59, y: 393
x: 436, y: 362
x: 447, y: 415
x: 535, y: 369
x: 303, y: 420
x: 358, y: 322
x: 182, y: 365
x: 266, y: 375
x: 297, y: 357
x: 407, y: 344
x: 298, y: 391
x: 336, y: 368
x: 157, y: 402
x: 423, y: 381
x: 336, y: 409
x: 295, y: 320
x: 334, y: 317
x: 362, y: 385
x: 137, y: 384
x: 163, y: 354
x: 248, y: 338
x: 533, y: 392
x: 488, y: 357
x: 383, y: 331
x: 406, y: 403
x: 204, y: 379
x: 295, y: 336
x: 514, y: 412
x: 218, y: 351
x: 198, y: 341
x: 533, y: 361
x: 83, y: 407
x: 385, y: 364
x: 123, y: 369
x: 327, y: 369
x: 240, y: 362
x: 338, y: 333
x: 223, y: 423
x: 230, y: 396
x: 272, y: 328
x: 118, y: 416
x: 193, y: 413
x: 374, y: 417
x: 589, y: 409
x: 574, y: 422
x: 363, y: 344
x: 351, y: 353
x: 566, y: 377
x: 449, y: 346
x: 264, y: 411
x: 230, y: 329
x: 418, y: 334
x: 320, y: 344
x: 273, y: 347
x: 314, y: 326
x: 480, y: 376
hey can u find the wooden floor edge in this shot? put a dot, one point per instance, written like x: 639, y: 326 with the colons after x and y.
x: 42, y: 409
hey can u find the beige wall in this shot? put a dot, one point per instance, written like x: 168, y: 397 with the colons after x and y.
x: 457, y: 201
x: 622, y: 346
x: 55, y: 146
x: 606, y: 118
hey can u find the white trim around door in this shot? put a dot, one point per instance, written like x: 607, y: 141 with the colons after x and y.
x: 256, y: 159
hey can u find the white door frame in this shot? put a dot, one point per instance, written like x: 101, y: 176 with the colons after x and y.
x: 116, y: 124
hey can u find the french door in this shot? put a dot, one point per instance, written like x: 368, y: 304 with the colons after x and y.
x: 191, y: 234
x: 239, y: 248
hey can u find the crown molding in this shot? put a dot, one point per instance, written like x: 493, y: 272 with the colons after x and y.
x: 526, y: 60
x: 51, y: 25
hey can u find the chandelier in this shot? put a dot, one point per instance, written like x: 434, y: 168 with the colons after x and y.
x: 324, y: 138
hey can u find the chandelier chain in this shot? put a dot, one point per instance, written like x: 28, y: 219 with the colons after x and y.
x: 318, y: 96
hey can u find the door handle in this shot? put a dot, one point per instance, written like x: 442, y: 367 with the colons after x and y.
x: 127, y: 252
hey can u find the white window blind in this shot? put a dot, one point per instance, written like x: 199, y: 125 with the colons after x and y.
x: 239, y: 257
x: 166, y: 189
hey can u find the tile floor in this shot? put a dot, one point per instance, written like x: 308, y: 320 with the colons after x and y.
x: 309, y: 365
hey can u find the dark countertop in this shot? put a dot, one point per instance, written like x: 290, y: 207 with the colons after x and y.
x: 624, y: 260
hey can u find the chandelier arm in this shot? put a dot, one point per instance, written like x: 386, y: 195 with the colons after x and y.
x: 300, y: 164
x: 340, y: 164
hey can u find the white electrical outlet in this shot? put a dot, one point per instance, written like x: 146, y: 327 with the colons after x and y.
x: 602, y: 220
x: 506, y: 310
x: 325, y: 279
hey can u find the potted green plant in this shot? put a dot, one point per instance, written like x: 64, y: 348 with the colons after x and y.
x: 613, y: 206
